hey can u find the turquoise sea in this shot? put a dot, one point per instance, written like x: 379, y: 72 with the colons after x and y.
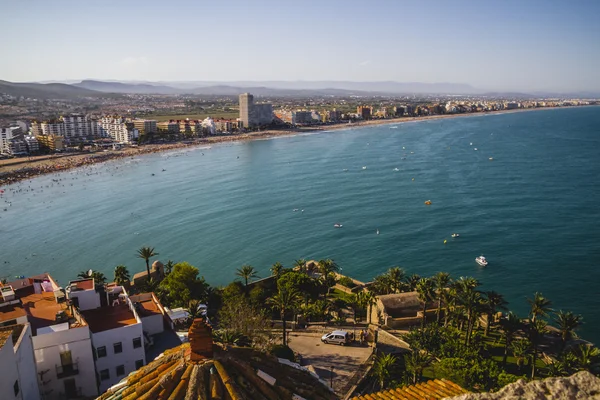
x: 533, y: 210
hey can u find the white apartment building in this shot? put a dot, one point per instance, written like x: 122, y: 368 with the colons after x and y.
x: 115, y: 327
x: 84, y: 338
x: 33, y: 146
x: 18, y: 379
x: 117, y: 129
x: 7, y: 138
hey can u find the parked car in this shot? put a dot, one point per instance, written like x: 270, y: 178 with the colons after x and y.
x: 336, y: 337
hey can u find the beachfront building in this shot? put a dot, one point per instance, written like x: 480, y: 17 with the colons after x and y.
x: 332, y: 115
x: 145, y: 126
x: 252, y: 114
x: 7, y: 138
x: 33, y: 146
x: 118, y: 129
x: 50, y: 143
x: 168, y: 126
x: 364, y: 112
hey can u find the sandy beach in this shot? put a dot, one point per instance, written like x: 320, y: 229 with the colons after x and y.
x: 18, y: 169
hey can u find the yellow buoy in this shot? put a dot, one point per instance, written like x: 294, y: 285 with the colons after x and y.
x: 413, y: 179
x: 445, y: 241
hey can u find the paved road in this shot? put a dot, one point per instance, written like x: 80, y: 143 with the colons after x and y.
x: 344, y: 359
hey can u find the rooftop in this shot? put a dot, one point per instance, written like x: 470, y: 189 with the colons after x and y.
x: 83, y: 284
x: 202, y: 370
x: 106, y: 318
x: 41, y: 308
x: 401, y: 304
x: 12, y: 311
x: 430, y: 390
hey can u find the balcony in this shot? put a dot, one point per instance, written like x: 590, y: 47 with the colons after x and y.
x: 64, y: 371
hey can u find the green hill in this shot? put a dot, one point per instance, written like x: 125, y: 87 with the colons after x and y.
x: 49, y: 91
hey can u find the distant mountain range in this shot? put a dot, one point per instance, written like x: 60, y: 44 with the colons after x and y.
x: 96, y: 88
x: 48, y: 90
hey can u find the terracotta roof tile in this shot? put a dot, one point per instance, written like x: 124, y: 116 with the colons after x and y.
x: 430, y: 390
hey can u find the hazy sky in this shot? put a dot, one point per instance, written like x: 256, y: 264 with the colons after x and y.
x: 497, y: 45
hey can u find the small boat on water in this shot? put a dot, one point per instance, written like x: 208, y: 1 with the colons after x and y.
x: 428, y: 202
x: 481, y: 261
x: 491, y: 158
x: 378, y: 231
x: 396, y: 169
x: 337, y: 225
x: 475, y: 148
x: 364, y: 167
x: 295, y: 209
x: 455, y: 235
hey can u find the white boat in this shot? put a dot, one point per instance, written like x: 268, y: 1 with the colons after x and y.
x: 475, y: 148
x: 295, y: 209
x: 364, y: 167
x: 455, y: 235
x: 337, y: 225
x: 378, y: 231
x: 481, y: 261
x: 396, y: 169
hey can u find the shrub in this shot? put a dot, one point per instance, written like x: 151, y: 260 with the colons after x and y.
x: 345, y: 281
x: 282, y: 351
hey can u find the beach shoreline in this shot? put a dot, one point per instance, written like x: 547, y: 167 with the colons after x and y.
x: 19, y: 169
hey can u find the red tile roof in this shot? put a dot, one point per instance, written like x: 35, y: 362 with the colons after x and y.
x: 106, y: 318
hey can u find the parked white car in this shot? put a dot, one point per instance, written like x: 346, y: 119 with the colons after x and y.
x: 336, y: 337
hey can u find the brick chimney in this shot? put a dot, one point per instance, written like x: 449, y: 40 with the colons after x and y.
x: 201, y: 343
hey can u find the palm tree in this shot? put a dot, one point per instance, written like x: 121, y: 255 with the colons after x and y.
x: 169, y: 267
x: 567, y: 323
x: 470, y: 299
x: 520, y: 349
x: 396, y: 276
x: 426, y: 290
x: 194, y: 310
x: 246, y: 272
x: 366, y: 300
x: 383, y: 369
x: 441, y: 280
x: 587, y: 358
x: 326, y: 268
x: 98, y: 277
x: 412, y: 281
x: 286, y: 299
x: 122, y: 276
x: 381, y: 284
x: 147, y: 253
x: 509, y: 325
x: 416, y: 362
x: 301, y: 264
x: 151, y: 285
x: 492, y: 303
x: 276, y: 269
x: 540, y: 306
x: 536, y: 331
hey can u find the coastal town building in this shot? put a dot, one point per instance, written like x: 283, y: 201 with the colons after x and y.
x: 118, y: 129
x: 10, y: 138
x: 400, y: 310
x: 33, y: 145
x: 50, y: 143
x: 145, y: 126
x: 364, y: 112
x: 18, y: 379
x: 84, y: 337
x: 168, y: 126
x: 252, y: 114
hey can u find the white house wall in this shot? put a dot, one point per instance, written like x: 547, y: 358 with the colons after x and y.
x: 8, y: 373
x: 26, y: 365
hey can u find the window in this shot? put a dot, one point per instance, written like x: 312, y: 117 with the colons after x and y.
x: 104, y: 375
x: 118, y: 347
x: 137, y: 342
x: 120, y: 370
x: 16, y: 387
x: 101, y: 351
x: 139, y: 364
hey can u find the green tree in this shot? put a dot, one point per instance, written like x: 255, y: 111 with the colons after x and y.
x: 493, y: 302
x: 384, y: 368
x: 183, y: 284
x: 412, y: 281
x: 536, y: 331
x: 510, y: 325
x: 247, y: 272
x: 382, y: 285
x: 327, y: 268
x: 441, y: 280
x: 587, y: 358
x: 146, y: 253
x: 122, y: 276
x: 169, y: 267
x: 276, y: 269
x: 366, y: 299
x: 243, y: 322
x: 470, y: 299
x: 426, y: 290
x: 520, y: 349
x: 415, y: 363
x: 396, y: 277
x: 540, y: 306
x: 300, y: 264
x: 284, y: 301
x: 567, y: 323
x: 98, y: 277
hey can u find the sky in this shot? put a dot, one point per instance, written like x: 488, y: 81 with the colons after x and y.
x: 495, y: 45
